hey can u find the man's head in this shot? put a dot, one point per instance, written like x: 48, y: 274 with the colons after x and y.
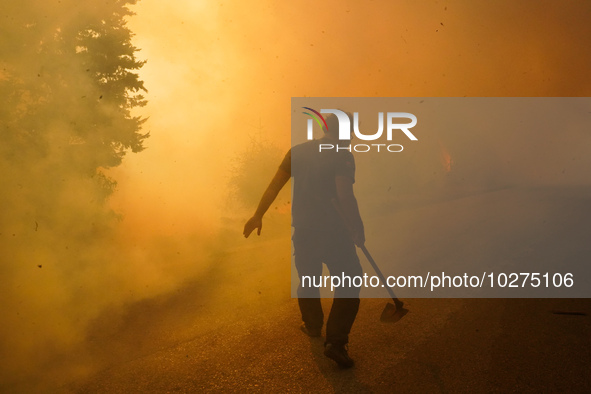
x: 333, y: 125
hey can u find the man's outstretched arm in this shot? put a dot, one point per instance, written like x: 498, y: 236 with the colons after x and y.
x: 256, y: 221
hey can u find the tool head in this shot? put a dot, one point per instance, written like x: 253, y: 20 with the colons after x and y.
x: 391, y: 313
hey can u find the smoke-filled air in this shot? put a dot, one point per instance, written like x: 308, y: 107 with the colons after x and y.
x: 137, y: 138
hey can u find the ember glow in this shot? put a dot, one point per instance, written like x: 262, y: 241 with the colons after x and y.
x: 446, y: 160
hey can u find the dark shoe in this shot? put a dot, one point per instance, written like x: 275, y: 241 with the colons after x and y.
x: 314, y: 333
x: 339, y: 354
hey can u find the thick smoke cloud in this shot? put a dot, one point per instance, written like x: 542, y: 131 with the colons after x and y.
x: 78, y: 249
x: 68, y: 83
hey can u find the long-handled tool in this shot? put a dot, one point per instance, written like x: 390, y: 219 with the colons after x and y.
x: 392, y: 312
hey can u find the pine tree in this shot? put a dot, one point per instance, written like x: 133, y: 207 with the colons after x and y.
x: 68, y: 85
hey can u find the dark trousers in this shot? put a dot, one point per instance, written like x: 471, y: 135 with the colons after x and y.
x: 334, y: 248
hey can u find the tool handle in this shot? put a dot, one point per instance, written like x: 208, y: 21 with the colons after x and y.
x: 380, y: 275
x: 377, y: 270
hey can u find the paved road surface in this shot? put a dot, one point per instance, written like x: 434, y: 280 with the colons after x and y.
x: 236, y: 329
x: 441, y: 346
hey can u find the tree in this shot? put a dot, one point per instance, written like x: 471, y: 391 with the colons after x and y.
x: 252, y: 171
x: 68, y: 83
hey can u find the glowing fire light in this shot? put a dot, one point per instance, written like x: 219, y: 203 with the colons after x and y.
x: 446, y: 159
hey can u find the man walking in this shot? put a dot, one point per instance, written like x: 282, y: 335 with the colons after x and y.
x: 321, y: 180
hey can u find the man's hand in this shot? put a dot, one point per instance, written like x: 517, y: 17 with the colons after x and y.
x: 253, y: 222
x: 358, y: 238
x: 279, y: 180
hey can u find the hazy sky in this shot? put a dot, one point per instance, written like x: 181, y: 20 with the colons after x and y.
x: 220, y: 72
